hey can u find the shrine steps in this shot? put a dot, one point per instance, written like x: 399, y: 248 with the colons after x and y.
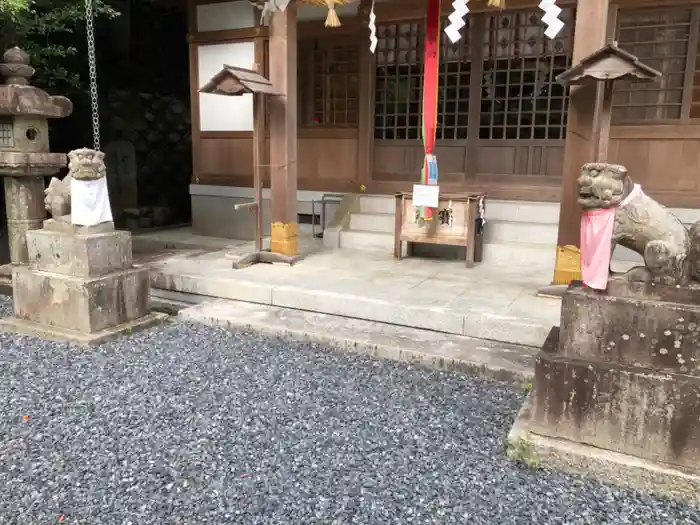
x: 522, y: 232
x: 449, y: 352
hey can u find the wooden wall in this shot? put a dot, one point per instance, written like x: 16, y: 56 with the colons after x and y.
x: 327, y: 158
x: 507, y: 169
x: 325, y: 164
x: 664, y: 159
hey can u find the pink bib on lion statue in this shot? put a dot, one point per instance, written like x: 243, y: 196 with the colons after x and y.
x: 596, y: 243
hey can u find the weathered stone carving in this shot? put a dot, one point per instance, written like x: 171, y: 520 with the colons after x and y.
x: 642, y: 225
x: 83, y: 164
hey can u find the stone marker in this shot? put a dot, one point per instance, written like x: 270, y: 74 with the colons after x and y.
x: 617, y: 387
x: 120, y: 158
x: 81, y: 284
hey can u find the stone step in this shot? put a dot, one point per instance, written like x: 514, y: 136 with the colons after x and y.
x: 502, y: 231
x: 442, y: 351
x: 498, y: 253
x: 377, y: 204
x: 373, y: 222
x: 520, y: 254
x: 367, y: 241
x: 526, y: 321
x: 522, y: 211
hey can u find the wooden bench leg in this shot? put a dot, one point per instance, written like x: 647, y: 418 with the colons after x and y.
x: 471, y: 233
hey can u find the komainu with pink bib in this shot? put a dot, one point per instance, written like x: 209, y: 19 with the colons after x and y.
x: 616, y: 211
x: 621, y: 373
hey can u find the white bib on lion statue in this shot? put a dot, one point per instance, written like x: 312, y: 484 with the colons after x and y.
x: 90, y: 202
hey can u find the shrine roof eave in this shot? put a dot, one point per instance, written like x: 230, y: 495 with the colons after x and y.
x: 235, y: 81
x: 586, y: 71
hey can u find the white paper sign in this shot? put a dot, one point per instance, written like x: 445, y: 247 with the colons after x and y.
x: 426, y: 195
x: 89, y: 202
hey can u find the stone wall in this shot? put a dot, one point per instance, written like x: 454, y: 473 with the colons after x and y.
x: 158, y: 126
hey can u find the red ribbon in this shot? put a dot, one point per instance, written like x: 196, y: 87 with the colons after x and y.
x: 430, y: 87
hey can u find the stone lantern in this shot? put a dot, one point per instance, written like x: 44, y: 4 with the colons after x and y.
x: 24, y: 148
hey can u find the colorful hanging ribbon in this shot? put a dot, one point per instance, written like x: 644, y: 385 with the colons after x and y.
x: 430, y: 97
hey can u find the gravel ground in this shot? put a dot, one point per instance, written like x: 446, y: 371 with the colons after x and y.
x: 190, y: 425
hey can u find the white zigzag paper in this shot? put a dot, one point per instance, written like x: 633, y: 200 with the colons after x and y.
x: 457, y: 20
x: 372, y: 30
x: 551, y: 18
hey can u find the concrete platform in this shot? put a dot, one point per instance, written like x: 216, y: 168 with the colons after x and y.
x: 505, y: 362
x: 54, y: 333
x: 493, y: 302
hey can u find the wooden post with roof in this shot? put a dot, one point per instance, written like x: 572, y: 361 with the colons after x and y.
x: 237, y: 81
x: 604, y: 67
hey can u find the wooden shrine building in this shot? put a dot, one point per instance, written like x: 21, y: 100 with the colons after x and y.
x: 505, y: 126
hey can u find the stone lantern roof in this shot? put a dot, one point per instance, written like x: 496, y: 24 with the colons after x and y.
x: 18, y: 97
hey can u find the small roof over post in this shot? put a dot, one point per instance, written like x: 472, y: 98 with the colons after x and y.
x: 235, y: 81
x: 608, y: 63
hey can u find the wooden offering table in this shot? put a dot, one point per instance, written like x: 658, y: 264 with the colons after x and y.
x: 454, y: 223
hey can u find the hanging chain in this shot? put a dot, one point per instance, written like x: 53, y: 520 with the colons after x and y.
x: 92, y: 61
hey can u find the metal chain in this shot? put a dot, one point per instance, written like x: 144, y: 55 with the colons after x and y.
x: 92, y: 61
x: 482, y: 210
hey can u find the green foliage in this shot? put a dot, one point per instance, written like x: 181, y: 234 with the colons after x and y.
x: 523, y: 452
x: 51, y: 32
x: 12, y: 8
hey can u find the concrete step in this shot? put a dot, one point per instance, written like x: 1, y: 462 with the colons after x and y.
x: 438, y: 350
x: 501, y: 231
x: 373, y: 222
x: 377, y: 204
x: 520, y: 254
x: 367, y: 241
x: 522, y: 211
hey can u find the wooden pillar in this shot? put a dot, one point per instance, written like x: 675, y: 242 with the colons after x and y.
x: 283, y: 131
x: 590, y: 35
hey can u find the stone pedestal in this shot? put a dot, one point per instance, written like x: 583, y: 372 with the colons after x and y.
x: 617, y: 388
x: 80, y: 287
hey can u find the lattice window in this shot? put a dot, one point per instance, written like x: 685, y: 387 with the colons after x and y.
x: 453, y: 93
x: 329, y: 88
x: 659, y: 38
x: 399, y: 83
x: 520, y: 96
x: 6, y: 137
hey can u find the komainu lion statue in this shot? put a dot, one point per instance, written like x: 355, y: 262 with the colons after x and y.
x: 83, y: 164
x: 671, y: 253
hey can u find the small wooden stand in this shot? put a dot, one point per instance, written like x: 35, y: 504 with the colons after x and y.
x: 454, y: 224
x: 237, y: 81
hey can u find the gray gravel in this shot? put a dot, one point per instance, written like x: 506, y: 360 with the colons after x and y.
x: 191, y: 425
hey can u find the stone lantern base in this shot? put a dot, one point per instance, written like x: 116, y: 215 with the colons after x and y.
x: 79, y: 287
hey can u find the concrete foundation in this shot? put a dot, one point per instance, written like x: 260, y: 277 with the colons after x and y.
x: 622, y: 375
x: 80, y: 287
